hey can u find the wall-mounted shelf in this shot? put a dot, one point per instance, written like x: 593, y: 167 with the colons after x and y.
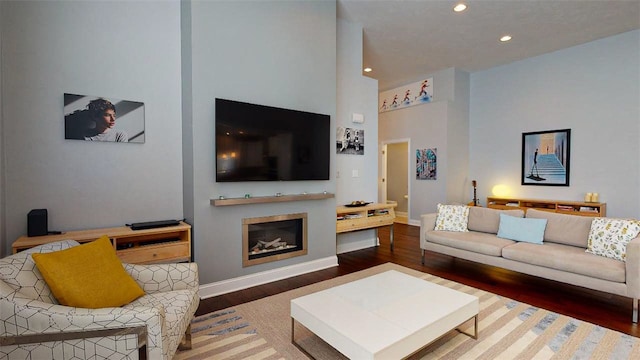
x: 270, y: 199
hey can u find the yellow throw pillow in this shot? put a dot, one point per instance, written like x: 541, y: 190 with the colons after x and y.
x: 88, y: 276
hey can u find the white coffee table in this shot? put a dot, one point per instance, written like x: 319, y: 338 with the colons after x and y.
x: 390, y: 315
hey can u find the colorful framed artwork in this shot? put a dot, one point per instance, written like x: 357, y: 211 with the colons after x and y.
x: 546, y: 157
x: 426, y: 164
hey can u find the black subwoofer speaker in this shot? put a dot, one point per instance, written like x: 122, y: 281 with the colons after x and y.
x: 37, y: 222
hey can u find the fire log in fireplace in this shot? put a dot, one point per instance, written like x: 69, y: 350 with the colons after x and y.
x: 273, y: 238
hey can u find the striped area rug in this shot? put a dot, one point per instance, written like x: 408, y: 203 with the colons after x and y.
x: 508, y: 330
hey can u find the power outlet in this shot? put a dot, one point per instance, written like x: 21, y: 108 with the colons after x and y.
x: 354, y: 173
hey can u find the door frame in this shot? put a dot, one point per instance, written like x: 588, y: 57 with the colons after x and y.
x: 382, y: 180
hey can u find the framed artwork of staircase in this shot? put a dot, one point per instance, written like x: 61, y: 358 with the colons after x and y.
x: 546, y: 157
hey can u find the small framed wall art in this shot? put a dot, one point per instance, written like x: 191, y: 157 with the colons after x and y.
x: 427, y: 164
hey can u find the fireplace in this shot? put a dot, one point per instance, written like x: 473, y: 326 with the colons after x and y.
x: 273, y: 238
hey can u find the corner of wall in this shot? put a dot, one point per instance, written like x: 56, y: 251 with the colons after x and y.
x: 3, y: 238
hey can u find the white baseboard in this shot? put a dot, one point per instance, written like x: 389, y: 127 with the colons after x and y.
x: 244, y: 282
x: 414, y: 222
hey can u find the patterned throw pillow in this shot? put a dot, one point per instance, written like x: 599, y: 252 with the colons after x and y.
x: 609, y: 237
x: 452, y: 218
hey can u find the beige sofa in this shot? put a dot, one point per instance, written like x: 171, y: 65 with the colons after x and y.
x: 561, y: 257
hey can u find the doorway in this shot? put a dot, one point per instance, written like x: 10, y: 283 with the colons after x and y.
x: 394, y: 184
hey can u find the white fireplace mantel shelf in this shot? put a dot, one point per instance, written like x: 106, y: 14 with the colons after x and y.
x: 270, y: 199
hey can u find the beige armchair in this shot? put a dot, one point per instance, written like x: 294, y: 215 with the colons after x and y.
x: 33, y: 324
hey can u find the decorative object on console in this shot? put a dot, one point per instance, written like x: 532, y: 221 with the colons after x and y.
x: 591, y: 197
x: 357, y: 203
x: 452, y: 218
x: 98, y: 119
x: 546, y: 157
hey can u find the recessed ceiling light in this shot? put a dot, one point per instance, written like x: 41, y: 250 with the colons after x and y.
x: 505, y: 38
x: 368, y: 69
x: 460, y: 7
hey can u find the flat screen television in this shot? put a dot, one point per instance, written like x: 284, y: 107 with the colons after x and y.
x: 264, y: 143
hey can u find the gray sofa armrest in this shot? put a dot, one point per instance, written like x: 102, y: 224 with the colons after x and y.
x: 633, y: 268
x: 427, y: 222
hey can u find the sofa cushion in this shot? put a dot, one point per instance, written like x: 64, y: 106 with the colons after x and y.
x: 564, y: 229
x: 487, y: 220
x: 452, y: 217
x: 88, y: 276
x: 566, y: 258
x: 609, y: 237
x: 522, y: 229
x: 483, y: 243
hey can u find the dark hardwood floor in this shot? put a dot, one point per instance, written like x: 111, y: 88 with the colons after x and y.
x: 610, y: 311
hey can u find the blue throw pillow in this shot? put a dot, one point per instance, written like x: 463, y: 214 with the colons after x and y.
x: 522, y: 229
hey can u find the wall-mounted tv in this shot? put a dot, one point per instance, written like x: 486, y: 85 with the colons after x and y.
x: 264, y: 143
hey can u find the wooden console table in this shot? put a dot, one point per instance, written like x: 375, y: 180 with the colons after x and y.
x: 157, y: 245
x: 371, y: 216
x: 594, y: 209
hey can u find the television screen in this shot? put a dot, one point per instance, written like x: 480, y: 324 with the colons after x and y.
x: 263, y: 143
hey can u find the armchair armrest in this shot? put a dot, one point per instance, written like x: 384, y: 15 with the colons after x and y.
x: 27, y: 316
x: 140, y: 333
x: 427, y: 222
x: 632, y: 265
x: 165, y: 277
x: 27, y: 321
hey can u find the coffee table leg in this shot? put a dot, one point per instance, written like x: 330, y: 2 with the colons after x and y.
x: 475, y: 328
x: 293, y: 340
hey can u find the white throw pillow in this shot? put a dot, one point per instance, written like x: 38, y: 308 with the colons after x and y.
x: 609, y: 237
x: 452, y: 218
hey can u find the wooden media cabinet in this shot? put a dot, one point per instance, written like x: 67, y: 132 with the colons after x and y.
x: 157, y: 245
x: 371, y: 216
x: 581, y: 208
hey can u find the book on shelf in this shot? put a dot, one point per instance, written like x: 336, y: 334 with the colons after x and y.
x: 565, y: 207
x: 512, y: 204
x: 588, y: 209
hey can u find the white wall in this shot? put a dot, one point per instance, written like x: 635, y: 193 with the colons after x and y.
x: 592, y: 89
x: 441, y: 124
x: 126, y: 50
x: 356, y: 94
x: 272, y: 53
x: 3, y: 211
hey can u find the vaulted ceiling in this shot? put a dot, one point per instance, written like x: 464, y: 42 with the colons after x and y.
x: 406, y: 40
